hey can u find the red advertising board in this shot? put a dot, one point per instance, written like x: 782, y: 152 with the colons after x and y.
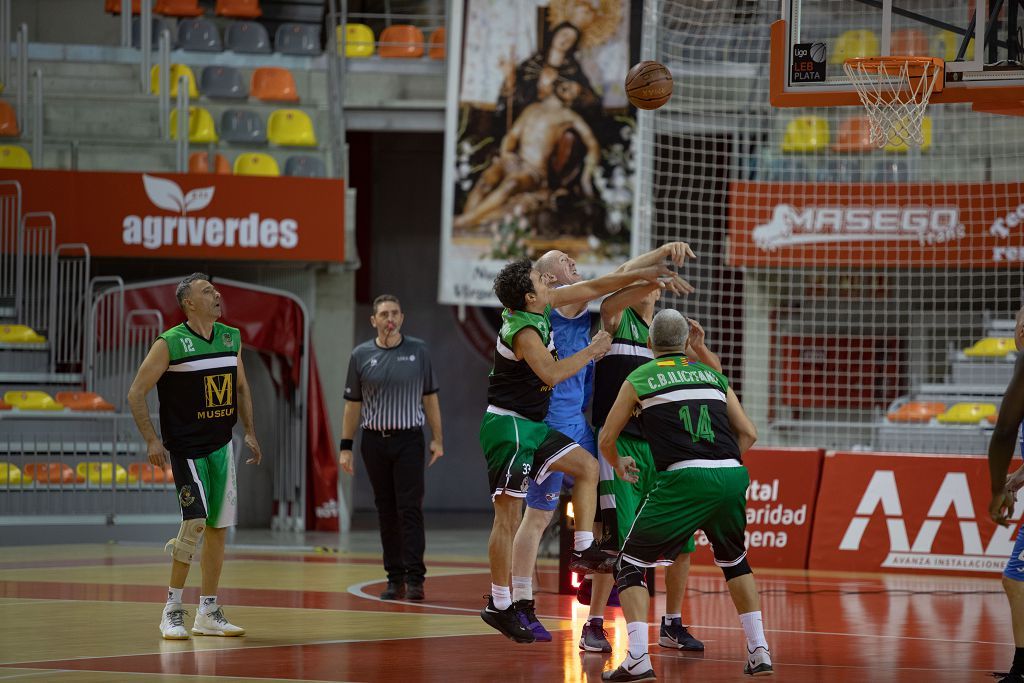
x: 170, y: 215
x: 858, y: 224
x: 885, y: 512
x: 780, y: 507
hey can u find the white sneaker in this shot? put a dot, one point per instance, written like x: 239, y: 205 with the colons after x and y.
x: 759, y: 662
x: 172, y: 623
x: 215, y: 624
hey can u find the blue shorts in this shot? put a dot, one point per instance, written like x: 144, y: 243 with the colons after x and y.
x: 545, y: 496
x: 1015, y: 567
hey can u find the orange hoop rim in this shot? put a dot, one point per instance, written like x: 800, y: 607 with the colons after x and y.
x: 917, y: 67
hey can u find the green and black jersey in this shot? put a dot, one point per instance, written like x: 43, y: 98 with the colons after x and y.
x: 683, y: 411
x: 513, y: 385
x: 198, y: 406
x: 628, y: 352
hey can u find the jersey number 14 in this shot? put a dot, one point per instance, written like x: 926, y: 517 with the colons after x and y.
x: 704, y: 432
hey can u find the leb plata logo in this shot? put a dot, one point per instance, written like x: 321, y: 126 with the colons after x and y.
x: 219, y: 398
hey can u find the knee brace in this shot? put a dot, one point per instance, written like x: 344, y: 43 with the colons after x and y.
x: 739, y: 569
x: 628, y: 575
x: 185, y: 544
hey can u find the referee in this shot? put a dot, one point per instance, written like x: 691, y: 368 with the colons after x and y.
x: 390, y: 389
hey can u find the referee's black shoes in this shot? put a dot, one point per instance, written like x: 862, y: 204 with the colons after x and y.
x: 593, y: 559
x: 506, y: 622
x: 394, y: 591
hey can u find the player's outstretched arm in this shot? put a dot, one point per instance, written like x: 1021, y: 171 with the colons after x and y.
x: 616, y: 421
x: 675, y: 252
x: 588, y: 290
x: 742, y: 427
x: 154, y: 365
x: 528, y: 346
x: 613, y: 306
x: 1000, y: 447
x: 698, y: 349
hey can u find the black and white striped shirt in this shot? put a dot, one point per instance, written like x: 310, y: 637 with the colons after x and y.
x: 390, y: 383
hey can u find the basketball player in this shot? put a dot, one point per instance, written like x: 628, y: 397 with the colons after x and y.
x: 697, y: 432
x: 197, y: 369
x: 570, y: 328
x: 517, y: 444
x: 1004, y: 493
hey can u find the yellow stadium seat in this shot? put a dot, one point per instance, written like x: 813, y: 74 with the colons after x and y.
x: 926, y: 130
x: 32, y: 400
x: 200, y: 126
x: 359, y: 40
x: 291, y: 128
x: 20, y: 334
x: 967, y: 413
x: 256, y: 163
x: 102, y: 473
x: 175, y: 74
x: 991, y: 347
x: 806, y: 134
x: 12, y: 156
x: 11, y: 475
x: 946, y: 43
x: 858, y: 43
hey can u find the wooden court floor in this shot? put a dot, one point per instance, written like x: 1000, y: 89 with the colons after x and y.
x: 90, y: 613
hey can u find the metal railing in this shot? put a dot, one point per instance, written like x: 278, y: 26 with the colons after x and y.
x: 21, y: 78
x: 37, y: 253
x: 5, y: 41
x: 163, y: 83
x: 181, y: 148
x: 37, y: 118
x: 69, y: 291
x: 10, y: 242
x: 145, y: 42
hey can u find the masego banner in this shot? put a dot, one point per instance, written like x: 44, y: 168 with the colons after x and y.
x: 898, y: 224
x: 780, y: 507
x: 908, y: 513
x: 172, y: 215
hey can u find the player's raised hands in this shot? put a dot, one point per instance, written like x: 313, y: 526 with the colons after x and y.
x: 601, y: 343
x: 657, y: 273
x: 677, y: 252
x: 678, y: 285
x: 696, y: 333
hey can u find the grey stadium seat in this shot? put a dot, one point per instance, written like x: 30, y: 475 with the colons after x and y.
x: 159, y: 24
x: 240, y: 125
x: 297, y: 39
x: 224, y: 82
x: 247, y: 37
x: 198, y: 35
x: 304, y: 166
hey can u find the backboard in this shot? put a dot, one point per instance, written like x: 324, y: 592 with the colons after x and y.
x: 814, y: 37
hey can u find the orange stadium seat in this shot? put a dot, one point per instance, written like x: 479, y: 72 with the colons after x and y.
x: 32, y: 400
x: 10, y: 474
x: 114, y: 6
x: 239, y: 9
x: 83, y: 400
x: 8, y: 121
x: 437, y: 44
x: 910, y: 42
x: 178, y: 8
x: 992, y: 419
x: 273, y: 84
x: 854, y: 135
x: 148, y: 473
x: 256, y: 163
x: 916, y: 411
x: 4, y: 405
x: 401, y: 41
x: 20, y: 334
x: 52, y: 473
x: 199, y: 162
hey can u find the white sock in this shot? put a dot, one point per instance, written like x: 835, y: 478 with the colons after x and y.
x: 582, y: 540
x: 754, y: 630
x: 637, y: 639
x: 207, y: 603
x: 670, y: 617
x: 174, y: 594
x: 522, y: 588
x: 501, y: 596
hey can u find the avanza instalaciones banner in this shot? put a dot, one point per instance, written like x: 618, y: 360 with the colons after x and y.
x: 171, y: 215
x: 856, y: 224
x: 780, y: 508
x: 881, y: 512
x: 539, y: 137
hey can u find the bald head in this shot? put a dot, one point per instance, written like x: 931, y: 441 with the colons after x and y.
x: 559, y: 266
x: 669, y: 331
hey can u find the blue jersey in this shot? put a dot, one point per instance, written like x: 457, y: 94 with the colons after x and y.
x: 569, y: 399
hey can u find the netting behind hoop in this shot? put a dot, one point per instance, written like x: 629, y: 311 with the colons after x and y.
x: 895, y: 93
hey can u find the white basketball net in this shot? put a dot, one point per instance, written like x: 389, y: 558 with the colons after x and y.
x: 895, y: 102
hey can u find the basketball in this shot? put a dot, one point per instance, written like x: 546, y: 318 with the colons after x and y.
x: 818, y: 52
x: 648, y: 85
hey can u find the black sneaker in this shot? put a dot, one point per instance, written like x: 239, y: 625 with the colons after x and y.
x: 593, y: 638
x: 414, y: 590
x: 593, y: 559
x: 527, y: 610
x: 625, y: 673
x: 394, y: 591
x: 675, y: 636
x: 506, y: 622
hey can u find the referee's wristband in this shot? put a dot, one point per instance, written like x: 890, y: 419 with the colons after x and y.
x: 345, y: 445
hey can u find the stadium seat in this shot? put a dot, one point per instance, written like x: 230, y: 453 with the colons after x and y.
x: 52, y: 473
x: 359, y: 40
x: 806, y: 134
x: 114, y: 6
x: 946, y: 44
x: 14, y: 157
x: 4, y: 405
x: 854, y: 135
x: 911, y: 42
x: 991, y: 347
x: 31, y: 400
x: 20, y: 334
x: 157, y: 26
x: 438, y: 45
x: 240, y: 125
x: 273, y: 84
x: 256, y: 163
x: 11, y: 475
x: 148, y: 473
x: 178, y: 8
x: 247, y: 37
x: 200, y: 126
x: 992, y: 419
x: 239, y: 9
x: 304, y: 167
x: 916, y: 411
x: 199, y: 162
x: 297, y: 39
x: 926, y: 131
x: 401, y: 41
x: 967, y: 413
x: 104, y: 473
x: 291, y: 128
x: 198, y: 35
x: 224, y: 82
x: 857, y: 43
x: 174, y: 75
x: 83, y: 400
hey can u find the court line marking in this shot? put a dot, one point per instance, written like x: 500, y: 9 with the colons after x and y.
x: 786, y: 665
x: 151, y: 674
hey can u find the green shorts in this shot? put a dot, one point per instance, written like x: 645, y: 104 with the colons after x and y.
x: 517, y: 450
x: 713, y: 499
x: 621, y: 499
x: 207, y: 487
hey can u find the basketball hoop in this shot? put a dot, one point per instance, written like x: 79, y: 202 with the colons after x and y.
x: 895, y: 92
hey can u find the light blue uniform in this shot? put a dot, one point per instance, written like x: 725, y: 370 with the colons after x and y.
x: 569, y: 399
x: 1015, y: 567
